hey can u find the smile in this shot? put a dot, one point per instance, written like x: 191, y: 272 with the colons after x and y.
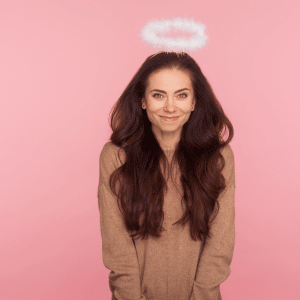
x: 169, y: 119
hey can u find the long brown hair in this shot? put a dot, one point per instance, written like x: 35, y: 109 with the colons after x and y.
x: 198, y: 154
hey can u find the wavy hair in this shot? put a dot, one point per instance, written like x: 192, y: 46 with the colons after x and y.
x: 198, y: 154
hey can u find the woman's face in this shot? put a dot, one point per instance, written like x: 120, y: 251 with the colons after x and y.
x: 169, y: 93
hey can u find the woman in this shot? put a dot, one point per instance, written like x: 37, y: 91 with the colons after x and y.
x: 166, y: 188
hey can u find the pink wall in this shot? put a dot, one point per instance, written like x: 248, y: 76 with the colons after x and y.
x: 63, y: 64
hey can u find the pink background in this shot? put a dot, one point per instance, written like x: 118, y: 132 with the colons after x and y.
x: 63, y: 64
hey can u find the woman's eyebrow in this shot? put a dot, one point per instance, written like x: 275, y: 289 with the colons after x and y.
x: 161, y: 91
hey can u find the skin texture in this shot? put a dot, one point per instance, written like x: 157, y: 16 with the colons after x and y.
x: 169, y: 104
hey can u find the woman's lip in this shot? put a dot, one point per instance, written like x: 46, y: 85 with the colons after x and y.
x: 169, y: 119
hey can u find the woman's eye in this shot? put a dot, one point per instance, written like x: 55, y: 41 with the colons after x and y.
x: 159, y: 95
x: 185, y: 95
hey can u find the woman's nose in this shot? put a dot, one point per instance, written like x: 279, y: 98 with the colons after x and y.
x: 170, y: 106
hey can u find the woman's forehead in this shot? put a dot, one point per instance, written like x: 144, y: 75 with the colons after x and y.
x: 167, y: 77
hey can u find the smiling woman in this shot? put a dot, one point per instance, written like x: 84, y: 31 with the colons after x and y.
x: 167, y: 239
x: 168, y: 107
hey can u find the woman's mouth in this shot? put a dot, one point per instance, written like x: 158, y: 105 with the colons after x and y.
x: 172, y: 119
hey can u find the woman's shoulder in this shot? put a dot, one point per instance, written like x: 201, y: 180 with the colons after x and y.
x: 109, y: 147
x: 110, y: 152
x: 229, y: 167
x: 227, y: 153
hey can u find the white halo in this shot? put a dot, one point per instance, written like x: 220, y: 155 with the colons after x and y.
x: 198, y: 40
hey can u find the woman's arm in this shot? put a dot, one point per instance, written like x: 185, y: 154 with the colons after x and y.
x: 216, y: 257
x: 118, y: 251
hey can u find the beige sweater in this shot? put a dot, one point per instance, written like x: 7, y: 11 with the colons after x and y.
x: 173, y: 267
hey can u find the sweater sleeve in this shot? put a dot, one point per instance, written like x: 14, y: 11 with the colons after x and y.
x: 118, y: 250
x: 217, y: 253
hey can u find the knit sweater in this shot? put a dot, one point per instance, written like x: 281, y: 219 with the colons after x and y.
x: 174, y: 266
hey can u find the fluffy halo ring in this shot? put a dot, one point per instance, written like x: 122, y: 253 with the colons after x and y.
x: 149, y: 34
